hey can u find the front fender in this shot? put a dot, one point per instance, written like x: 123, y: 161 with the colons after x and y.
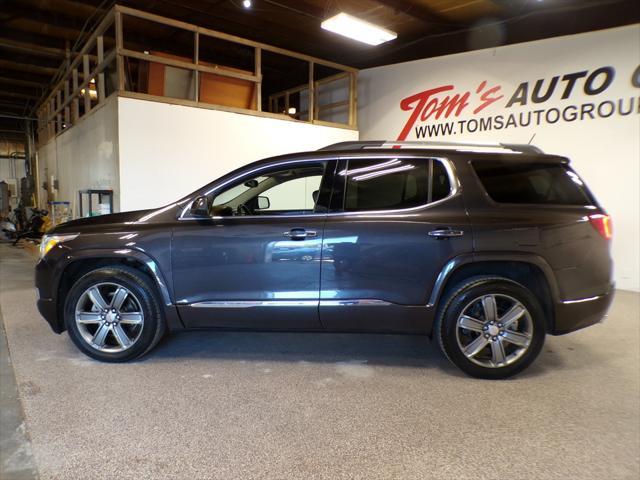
x: 48, y: 283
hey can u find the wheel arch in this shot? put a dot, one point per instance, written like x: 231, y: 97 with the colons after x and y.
x: 85, y: 261
x: 530, y: 271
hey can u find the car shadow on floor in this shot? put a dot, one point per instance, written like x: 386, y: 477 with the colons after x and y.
x: 411, y: 351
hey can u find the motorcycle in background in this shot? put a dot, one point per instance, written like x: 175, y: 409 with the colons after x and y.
x: 18, y: 227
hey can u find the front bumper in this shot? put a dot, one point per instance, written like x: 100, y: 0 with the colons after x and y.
x: 573, y: 315
x: 47, y: 304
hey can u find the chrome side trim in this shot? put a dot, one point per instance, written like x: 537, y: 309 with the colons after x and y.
x: 255, y: 303
x: 581, y: 300
x: 366, y: 302
x: 355, y: 303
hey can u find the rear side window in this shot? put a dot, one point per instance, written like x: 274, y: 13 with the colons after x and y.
x: 392, y: 184
x: 532, y: 183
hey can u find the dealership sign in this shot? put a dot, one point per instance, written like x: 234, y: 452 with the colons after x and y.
x: 437, y: 111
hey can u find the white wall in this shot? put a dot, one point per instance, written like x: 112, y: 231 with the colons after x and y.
x: 83, y: 157
x: 605, y: 151
x: 168, y: 151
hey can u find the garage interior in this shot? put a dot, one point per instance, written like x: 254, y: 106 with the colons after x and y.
x: 95, y: 95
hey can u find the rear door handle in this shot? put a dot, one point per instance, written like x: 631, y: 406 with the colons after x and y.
x: 300, y: 234
x: 445, y: 233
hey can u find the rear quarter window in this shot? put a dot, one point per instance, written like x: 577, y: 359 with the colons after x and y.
x: 531, y: 183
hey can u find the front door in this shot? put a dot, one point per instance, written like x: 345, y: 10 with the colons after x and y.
x: 256, y: 262
x: 395, y: 224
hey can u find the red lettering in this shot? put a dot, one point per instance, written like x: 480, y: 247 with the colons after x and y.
x: 416, y: 104
x: 486, y: 97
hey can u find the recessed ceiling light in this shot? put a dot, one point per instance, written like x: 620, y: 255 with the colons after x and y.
x: 246, y: 3
x: 360, y: 30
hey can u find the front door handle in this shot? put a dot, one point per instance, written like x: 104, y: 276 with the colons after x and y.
x: 445, y: 233
x: 300, y: 234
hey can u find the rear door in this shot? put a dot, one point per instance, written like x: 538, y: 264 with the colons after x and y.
x: 394, y: 224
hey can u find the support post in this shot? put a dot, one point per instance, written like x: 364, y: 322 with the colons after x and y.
x: 353, y: 99
x: 100, y: 86
x: 312, y: 93
x: 258, y: 73
x: 67, y: 116
x: 119, y: 47
x: 75, y: 103
x: 196, y: 60
x: 85, y: 81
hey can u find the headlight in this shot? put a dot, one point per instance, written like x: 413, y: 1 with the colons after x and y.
x: 50, y: 241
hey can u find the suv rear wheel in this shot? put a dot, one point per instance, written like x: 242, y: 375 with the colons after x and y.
x: 491, y: 327
x: 112, y: 314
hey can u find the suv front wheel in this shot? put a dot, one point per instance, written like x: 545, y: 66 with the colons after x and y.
x: 112, y: 314
x: 491, y: 327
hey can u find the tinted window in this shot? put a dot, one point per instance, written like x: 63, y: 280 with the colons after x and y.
x: 390, y: 184
x: 538, y: 183
x: 284, y: 190
x: 441, y: 184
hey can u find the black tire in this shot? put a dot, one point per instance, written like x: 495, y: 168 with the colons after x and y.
x: 145, y: 294
x: 462, y: 297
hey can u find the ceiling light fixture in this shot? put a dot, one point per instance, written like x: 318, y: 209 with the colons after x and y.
x: 352, y: 27
x: 246, y: 3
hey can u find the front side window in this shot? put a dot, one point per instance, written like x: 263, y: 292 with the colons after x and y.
x: 285, y: 190
x: 393, y: 184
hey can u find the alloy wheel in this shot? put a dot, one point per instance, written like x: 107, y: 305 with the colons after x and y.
x: 109, y: 317
x: 494, y: 330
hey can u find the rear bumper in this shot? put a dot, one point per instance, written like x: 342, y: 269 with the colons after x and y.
x: 573, y: 315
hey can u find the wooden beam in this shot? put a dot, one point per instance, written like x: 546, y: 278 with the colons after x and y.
x: 75, y: 108
x: 419, y: 12
x: 27, y: 67
x: 353, y: 99
x: 119, y: 47
x: 86, y: 78
x: 26, y: 96
x: 230, y: 38
x: 186, y: 65
x: 312, y: 92
x: 99, y: 30
x: 257, y: 71
x: 31, y: 48
x: 100, y: 80
x: 22, y: 83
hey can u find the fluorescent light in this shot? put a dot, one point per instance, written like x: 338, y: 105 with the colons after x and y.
x: 352, y: 27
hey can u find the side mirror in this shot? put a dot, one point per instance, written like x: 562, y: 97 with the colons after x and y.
x: 200, y: 207
x: 263, y: 203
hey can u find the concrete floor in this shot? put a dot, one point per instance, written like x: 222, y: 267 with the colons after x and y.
x: 208, y: 405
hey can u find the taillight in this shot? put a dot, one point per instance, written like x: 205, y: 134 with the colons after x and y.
x: 602, y: 223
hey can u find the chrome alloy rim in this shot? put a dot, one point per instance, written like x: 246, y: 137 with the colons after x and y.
x: 109, y: 317
x: 494, y: 330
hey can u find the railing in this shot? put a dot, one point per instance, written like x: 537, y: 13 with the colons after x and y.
x: 103, y: 68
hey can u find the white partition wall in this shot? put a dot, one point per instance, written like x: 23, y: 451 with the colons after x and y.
x: 577, y: 96
x: 83, y: 157
x: 168, y: 151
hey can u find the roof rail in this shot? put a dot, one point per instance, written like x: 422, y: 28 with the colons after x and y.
x: 458, y: 146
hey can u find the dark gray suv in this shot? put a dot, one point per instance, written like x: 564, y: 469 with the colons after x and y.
x: 484, y: 248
